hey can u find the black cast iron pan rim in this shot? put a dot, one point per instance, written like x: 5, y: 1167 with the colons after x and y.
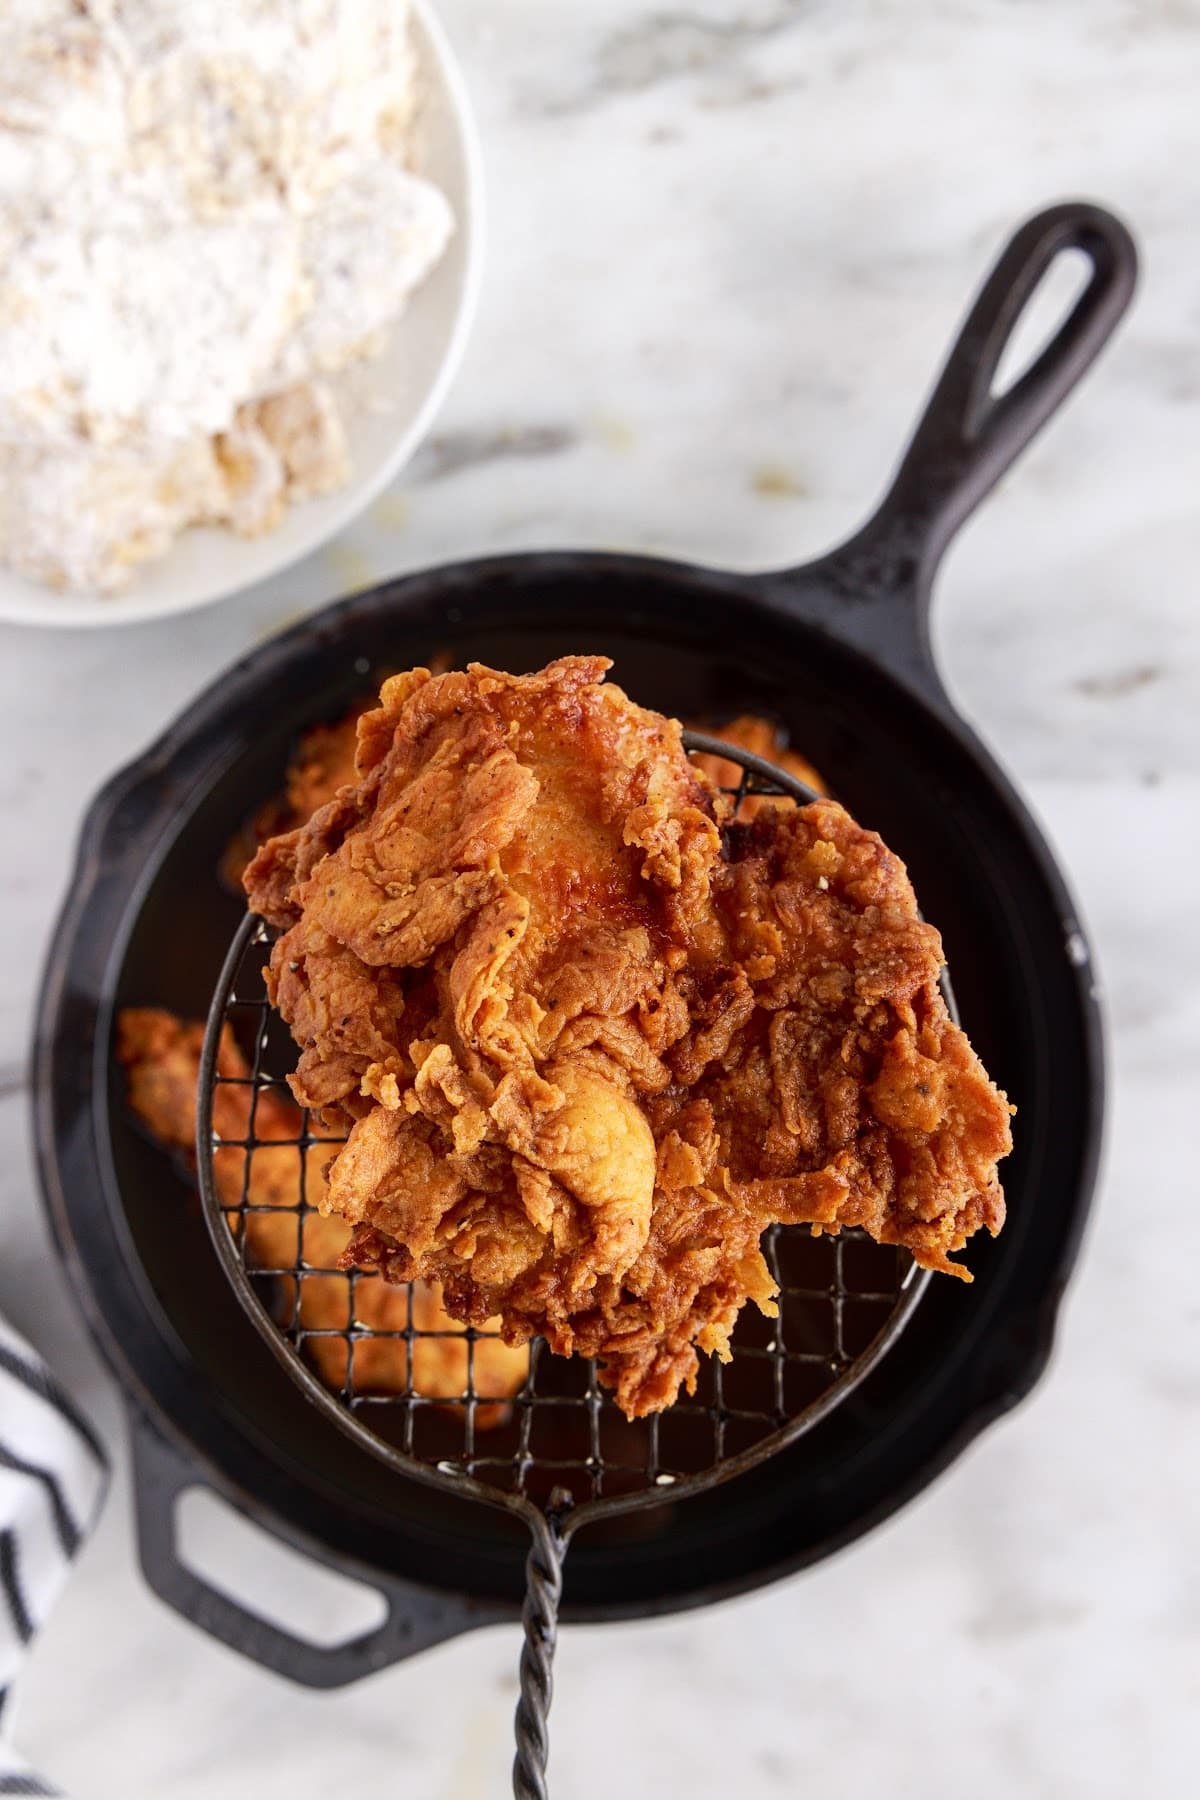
x: 870, y: 596
x: 184, y: 1462
x: 149, y: 1423
x: 276, y: 654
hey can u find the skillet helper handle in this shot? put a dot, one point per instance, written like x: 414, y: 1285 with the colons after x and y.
x: 969, y: 435
x: 160, y: 1476
x: 543, y: 1592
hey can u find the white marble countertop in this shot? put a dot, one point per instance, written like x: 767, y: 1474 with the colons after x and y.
x: 729, y: 241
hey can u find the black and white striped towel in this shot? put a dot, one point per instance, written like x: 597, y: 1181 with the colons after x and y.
x: 53, y: 1475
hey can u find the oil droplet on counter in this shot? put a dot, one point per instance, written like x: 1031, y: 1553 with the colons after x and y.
x: 391, y: 512
x: 615, y: 434
x: 283, y: 622
x: 350, y: 567
x: 775, y: 481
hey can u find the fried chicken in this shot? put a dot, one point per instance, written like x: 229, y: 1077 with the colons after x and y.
x: 162, y: 1056
x: 323, y: 762
x: 761, y: 738
x: 590, y: 1040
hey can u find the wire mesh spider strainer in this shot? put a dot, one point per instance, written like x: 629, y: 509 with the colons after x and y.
x: 560, y: 1454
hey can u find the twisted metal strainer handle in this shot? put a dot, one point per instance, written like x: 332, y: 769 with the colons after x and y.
x: 543, y: 1591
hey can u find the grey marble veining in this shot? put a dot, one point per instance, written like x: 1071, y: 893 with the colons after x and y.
x: 729, y: 242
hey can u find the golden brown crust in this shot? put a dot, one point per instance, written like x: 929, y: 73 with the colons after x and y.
x: 324, y: 762
x: 589, y: 1046
x: 161, y: 1054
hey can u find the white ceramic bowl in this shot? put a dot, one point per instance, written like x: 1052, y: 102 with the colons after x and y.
x: 405, y: 385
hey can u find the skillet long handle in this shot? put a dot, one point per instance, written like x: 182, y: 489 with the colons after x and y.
x: 872, y: 591
x: 968, y: 436
x: 543, y: 1591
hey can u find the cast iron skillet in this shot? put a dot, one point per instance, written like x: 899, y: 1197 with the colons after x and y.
x: 839, y: 652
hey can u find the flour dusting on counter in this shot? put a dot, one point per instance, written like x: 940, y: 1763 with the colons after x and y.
x: 205, y: 211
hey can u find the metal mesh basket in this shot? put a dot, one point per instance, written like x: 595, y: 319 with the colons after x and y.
x: 560, y: 1428
x: 553, y: 1446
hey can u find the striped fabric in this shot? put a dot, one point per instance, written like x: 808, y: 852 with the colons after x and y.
x: 53, y: 1474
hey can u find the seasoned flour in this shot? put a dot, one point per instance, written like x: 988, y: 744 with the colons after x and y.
x: 205, y: 207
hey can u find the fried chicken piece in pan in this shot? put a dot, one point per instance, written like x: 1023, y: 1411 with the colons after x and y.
x: 546, y: 993
x: 761, y: 738
x: 322, y: 762
x: 161, y: 1054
